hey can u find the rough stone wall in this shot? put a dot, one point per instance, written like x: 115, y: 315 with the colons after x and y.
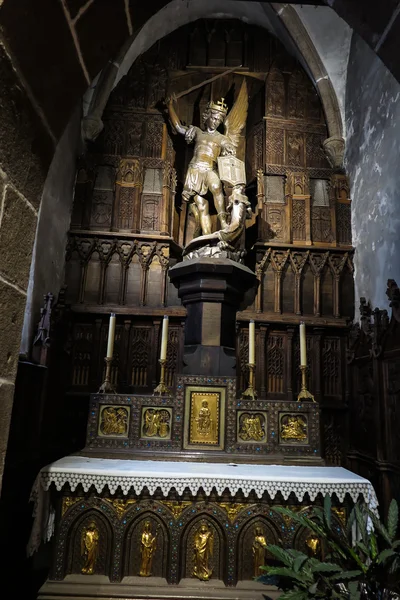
x: 331, y: 37
x: 26, y: 149
x: 372, y: 163
x: 47, y: 268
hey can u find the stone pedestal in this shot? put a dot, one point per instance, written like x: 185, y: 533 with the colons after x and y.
x: 212, y: 290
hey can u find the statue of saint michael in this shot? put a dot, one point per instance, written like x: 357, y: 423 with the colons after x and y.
x: 202, y: 174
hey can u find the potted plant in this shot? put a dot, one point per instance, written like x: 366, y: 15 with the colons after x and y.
x: 362, y: 561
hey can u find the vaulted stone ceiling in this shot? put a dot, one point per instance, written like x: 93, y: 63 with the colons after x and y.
x: 62, y: 45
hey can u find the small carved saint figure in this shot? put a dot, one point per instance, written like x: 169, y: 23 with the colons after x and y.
x: 114, y: 421
x: 204, y: 419
x: 202, y: 174
x: 148, y: 547
x: 203, y: 546
x: 259, y: 546
x: 293, y: 428
x: 152, y: 418
x: 164, y: 427
x: 251, y: 427
x: 313, y: 545
x: 90, y: 547
x: 156, y: 423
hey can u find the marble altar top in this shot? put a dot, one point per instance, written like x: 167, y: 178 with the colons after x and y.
x: 136, y: 475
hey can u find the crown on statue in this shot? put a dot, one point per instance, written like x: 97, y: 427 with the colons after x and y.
x: 219, y: 105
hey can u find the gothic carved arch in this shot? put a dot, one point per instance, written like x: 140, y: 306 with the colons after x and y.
x: 72, y: 530
x: 334, y: 145
x: 218, y: 560
x: 245, y: 539
x: 132, y: 543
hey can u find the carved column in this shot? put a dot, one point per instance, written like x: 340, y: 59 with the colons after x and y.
x: 263, y: 375
x: 278, y: 260
x: 125, y: 334
x: 337, y: 263
x: 317, y: 379
x: 128, y: 189
x: 166, y: 200
x: 298, y: 190
x: 290, y: 370
x: 341, y: 205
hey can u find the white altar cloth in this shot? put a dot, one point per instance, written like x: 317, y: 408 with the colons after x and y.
x: 139, y: 474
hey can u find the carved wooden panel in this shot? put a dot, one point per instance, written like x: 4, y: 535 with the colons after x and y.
x: 276, y: 349
x: 295, y: 148
x: 141, y: 351
x: 150, y: 212
x: 275, y: 146
x: 343, y: 223
x: 82, y: 355
x: 331, y: 366
x: 298, y: 219
x: 321, y: 224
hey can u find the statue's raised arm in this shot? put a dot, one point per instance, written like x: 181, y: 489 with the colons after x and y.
x: 173, y: 117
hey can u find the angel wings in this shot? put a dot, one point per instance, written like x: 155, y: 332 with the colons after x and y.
x: 236, y: 119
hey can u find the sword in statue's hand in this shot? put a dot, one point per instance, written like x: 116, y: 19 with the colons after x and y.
x: 174, y: 97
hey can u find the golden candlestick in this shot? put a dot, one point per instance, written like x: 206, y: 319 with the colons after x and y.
x: 107, y: 387
x: 162, y: 388
x: 304, y: 393
x: 250, y: 392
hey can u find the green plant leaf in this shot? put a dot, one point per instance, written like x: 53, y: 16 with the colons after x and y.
x: 344, y: 575
x: 350, y: 522
x: 299, y: 562
x: 373, y: 545
x: 283, y: 572
x: 327, y: 511
x: 325, y: 568
x: 354, y: 593
x: 379, y: 527
x: 295, y: 553
x: 281, y: 555
x: 361, y: 524
x: 385, y: 554
x: 364, y: 549
x: 393, y: 519
x: 294, y: 595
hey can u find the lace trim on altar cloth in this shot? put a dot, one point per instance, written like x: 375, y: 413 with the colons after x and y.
x: 128, y: 476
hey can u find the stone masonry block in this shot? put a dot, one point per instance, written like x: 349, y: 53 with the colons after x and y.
x: 6, y: 403
x: 12, y: 308
x: 26, y: 148
x: 17, y: 234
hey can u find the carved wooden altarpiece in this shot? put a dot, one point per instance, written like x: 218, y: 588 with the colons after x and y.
x: 128, y: 229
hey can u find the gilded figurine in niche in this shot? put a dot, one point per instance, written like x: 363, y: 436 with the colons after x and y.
x: 203, y: 546
x: 313, y: 546
x: 202, y: 174
x: 203, y: 421
x: 251, y: 427
x: 156, y: 423
x: 293, y: 427
x: 114, y: 421
x: 148, y: 546
x: 89, y: 548
x: 258, y: 548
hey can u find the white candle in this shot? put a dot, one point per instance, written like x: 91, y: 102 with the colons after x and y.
x: 252, y: 338
x: 164, y: 338
x: 303, y: 347
x: 111, y: 336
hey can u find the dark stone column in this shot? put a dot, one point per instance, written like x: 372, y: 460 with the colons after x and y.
x: 212, y: 290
